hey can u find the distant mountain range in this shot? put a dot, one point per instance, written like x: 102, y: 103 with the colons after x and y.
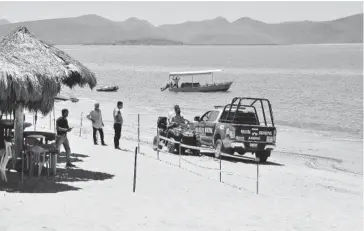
x: 4, y: 22
x: 93, y: 29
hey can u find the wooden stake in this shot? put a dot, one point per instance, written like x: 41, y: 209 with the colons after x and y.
x: 179, y: 164
x: 135, y: 169
x: 220, y: 167
x: 257, y: 160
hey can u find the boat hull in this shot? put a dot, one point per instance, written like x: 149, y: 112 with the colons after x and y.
x: 218, y: 87
x: 108, y: 89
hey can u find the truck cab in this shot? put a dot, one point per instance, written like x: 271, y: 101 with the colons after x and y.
x: 244, y: 125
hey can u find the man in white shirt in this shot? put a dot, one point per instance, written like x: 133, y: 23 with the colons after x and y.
x: 97, y: 123
x: 118, y: 124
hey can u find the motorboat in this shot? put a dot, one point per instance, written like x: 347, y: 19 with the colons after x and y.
x: 174, y: 86
x: 108, y: 88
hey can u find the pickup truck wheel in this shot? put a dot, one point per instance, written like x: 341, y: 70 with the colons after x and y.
x: 219, y: 147
x: 263, y: 156
x: 196, y: 152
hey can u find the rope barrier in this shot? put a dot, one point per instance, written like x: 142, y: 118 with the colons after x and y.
x: 199, y: 174
x: 200, y: 166
x: 208, y: 168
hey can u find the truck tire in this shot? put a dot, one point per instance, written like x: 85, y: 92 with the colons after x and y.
x: 263, y: 156
x: 196, y: 152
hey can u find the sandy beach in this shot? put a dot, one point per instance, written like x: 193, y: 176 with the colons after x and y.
x: 296, y: 191
x: 281, y: 80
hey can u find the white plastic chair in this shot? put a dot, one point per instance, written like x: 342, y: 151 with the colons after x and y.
x: 5, y: 159
x: 41, y: 157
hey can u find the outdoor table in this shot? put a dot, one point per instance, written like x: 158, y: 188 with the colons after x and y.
x: 49, y: 136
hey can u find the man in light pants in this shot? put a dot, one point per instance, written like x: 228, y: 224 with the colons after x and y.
x: 96, y: 117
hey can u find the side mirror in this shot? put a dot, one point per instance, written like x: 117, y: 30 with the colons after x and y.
x: 197, y: 118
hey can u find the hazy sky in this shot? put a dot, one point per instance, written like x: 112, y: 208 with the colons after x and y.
x: 176, y: 12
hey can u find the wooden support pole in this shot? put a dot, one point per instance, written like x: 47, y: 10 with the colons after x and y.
x: 18, y: 135
x: 54, y: 120
x: 18, y: 130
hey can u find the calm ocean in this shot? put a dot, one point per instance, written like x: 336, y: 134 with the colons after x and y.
x: 314, y: 87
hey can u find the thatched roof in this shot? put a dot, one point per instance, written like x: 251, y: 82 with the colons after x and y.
x: 31, y: 72
x: 23, y: 45
x: 20, y: 84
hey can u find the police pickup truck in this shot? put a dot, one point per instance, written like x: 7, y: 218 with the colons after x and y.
x: 244, y: 125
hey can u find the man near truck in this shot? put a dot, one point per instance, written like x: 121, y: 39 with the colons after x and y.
x: 176, y: 117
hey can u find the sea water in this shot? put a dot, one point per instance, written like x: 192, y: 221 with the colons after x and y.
x: 316, y: 91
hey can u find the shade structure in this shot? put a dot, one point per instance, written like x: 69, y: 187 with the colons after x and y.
x: 32, y: 72
x: 24, y: 46
x: 21, y: 85
x: 31, y: 75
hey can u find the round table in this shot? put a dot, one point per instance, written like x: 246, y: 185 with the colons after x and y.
x: 49, y: 136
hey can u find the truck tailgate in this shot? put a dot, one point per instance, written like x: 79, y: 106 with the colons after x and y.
x: 253, y: 133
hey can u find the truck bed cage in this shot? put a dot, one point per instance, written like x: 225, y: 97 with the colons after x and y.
x: 238, y: 105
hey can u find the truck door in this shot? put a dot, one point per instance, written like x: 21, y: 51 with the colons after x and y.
x: 202, y: 125
x: 210, y: 127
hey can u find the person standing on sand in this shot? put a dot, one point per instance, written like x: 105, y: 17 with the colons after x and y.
x: 62, y: 129
x: 118, y: 124
x: 97, y: 123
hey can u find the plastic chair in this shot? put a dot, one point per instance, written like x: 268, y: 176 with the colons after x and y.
x: 5, y: 159
x: 41, y: 157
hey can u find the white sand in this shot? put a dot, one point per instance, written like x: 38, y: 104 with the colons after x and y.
x: 296, y: 192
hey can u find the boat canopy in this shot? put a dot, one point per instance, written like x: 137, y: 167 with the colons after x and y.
x: 206, y: 72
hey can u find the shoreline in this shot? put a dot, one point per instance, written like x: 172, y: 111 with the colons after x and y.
x: 305, y: 142
x: 190, y: 197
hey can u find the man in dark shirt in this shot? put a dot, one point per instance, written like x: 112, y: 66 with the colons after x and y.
x: 62, y: 129
x: 118, y: 124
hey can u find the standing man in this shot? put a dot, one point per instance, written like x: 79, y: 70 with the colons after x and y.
x: 118, y: 124
x: 62, y: 129
x: 96, y: 117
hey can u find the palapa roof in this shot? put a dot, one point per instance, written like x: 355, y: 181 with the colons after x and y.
x: 31, y: 72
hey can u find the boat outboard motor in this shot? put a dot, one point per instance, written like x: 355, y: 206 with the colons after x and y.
x: 166, y: 85
x: 162, y: 122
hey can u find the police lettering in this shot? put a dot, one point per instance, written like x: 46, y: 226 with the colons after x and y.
x: 265, y: 133
x: 254, y: 138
